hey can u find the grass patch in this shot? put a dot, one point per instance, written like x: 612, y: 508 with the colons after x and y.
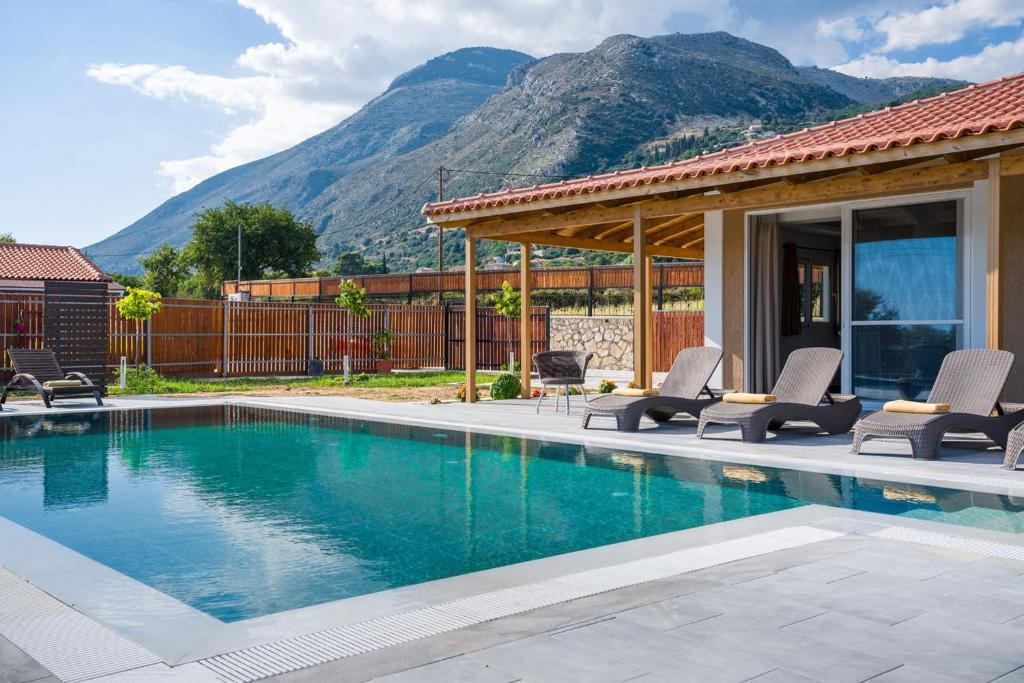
x: 149, y: 382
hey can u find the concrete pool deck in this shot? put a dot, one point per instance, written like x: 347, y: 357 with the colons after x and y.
x: 876, y: 611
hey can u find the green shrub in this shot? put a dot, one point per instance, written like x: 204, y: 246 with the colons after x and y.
x: 506, y: 386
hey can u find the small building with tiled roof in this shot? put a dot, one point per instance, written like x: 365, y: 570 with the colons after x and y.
x: 28, y: 266
x: 896, y: 236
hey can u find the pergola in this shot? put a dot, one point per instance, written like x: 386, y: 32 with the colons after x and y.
x: 943, y: 142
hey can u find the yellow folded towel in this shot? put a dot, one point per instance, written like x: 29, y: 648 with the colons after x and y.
x: 740, y: 397
x: 916, y: 407
x: 54, y: 383
x: 628, y: 391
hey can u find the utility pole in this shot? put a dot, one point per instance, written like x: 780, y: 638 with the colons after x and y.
x: 238, y: 285
x: 440, y: 235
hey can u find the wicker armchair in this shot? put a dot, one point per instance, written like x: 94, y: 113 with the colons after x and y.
x: 561, y: 369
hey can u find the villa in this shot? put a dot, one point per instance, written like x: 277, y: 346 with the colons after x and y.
x: 904, y: 228
x: 304, y: 537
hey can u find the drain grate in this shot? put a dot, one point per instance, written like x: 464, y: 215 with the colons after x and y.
x: 300, y: 652
x: 69, y: 644
x: 1006, y: 551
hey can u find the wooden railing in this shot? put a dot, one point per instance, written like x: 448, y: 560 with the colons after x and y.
x: 690, y: 274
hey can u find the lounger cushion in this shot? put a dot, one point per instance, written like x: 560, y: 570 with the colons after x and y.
x: 740, y: 397
x: 629, y: 391
x: 916, y: 407
x: 53, y: 384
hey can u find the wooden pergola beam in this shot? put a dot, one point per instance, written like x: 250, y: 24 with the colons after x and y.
x: 667, y: 239
x: 600, y: 245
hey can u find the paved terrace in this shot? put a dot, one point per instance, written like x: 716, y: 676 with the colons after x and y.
x: 856, y: 606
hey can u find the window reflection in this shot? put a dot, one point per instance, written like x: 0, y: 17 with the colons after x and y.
x: 906, y: 263
x: 900, y: 361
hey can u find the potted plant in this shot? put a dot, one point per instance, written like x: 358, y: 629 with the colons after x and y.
x: 380, y: 346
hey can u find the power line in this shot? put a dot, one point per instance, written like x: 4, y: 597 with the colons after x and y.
x: 508, y: 174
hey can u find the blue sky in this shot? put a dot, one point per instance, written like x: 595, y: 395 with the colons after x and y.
x: 112, y: 106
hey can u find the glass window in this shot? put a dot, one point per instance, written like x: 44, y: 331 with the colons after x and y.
x: 900, y: 361
x: 821, y: 293
x: 906, y: 263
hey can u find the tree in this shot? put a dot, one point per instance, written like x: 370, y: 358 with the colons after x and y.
x: 126, y: 280
x: 507, y: 302
x: 164, y: 270
x: 7, y: 238
x: 138, y: 305
x: 272, y: 240
x: 353, y: 263
x: 352, y: 298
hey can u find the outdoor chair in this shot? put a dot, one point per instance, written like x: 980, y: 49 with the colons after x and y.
x: 970, y: 382
x: 685, y: 390
x: 1014, y: 447
x: 37, y: 370
x: 801, y: 393
x: 561, y: 369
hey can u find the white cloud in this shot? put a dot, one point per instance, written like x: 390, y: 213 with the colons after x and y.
x: 946, y: 23
x: 336, y: 54
x: 992, y: 62
x: 844, y: 28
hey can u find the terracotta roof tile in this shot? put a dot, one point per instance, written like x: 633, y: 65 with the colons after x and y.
x: 44, y: 262
x: 995, y: 106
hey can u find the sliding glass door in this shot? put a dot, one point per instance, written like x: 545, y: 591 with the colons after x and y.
x: 906, y: 309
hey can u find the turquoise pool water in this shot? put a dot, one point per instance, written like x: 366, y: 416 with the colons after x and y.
x: 242, y: 512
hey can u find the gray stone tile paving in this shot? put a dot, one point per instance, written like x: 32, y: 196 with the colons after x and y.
x: 853, y: 610
x: 18, y: 667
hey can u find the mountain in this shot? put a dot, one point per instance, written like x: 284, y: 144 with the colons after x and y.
x: 875, y: 90
x: 486, y: 113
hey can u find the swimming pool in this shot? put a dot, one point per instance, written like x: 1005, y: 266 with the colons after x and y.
x: 241, y: 512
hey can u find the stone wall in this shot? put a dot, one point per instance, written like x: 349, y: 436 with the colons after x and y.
x: 610, y: 338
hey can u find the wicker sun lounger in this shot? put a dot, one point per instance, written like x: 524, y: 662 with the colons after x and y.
x: 37, y: 367
x: 970, y: 381
x: 685, y: 390
x: 1014, y: 447
x: 801, y: 394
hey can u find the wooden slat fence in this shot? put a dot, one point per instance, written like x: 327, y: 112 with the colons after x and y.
x: 21, y: 325
x: 673, y: 332
x: 687, y: 274
x: 187, y: 337
x: 493, y: 332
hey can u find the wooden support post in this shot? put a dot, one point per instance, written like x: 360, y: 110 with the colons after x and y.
x: 661, y: 287
x: 470, y: 319
x: 649, y: 331
x: 641, y: 304
x: 310, y: 351
x: 224, y: 341
x: 993, y: 336
x: 590, y: 291
x: 525, y: 321
x: 149, y: 343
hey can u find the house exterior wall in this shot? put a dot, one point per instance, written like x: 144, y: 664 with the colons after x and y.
x: 733, y: 314
x: 1011, y: 279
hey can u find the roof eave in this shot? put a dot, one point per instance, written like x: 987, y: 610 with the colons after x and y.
x: 917, y: 152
